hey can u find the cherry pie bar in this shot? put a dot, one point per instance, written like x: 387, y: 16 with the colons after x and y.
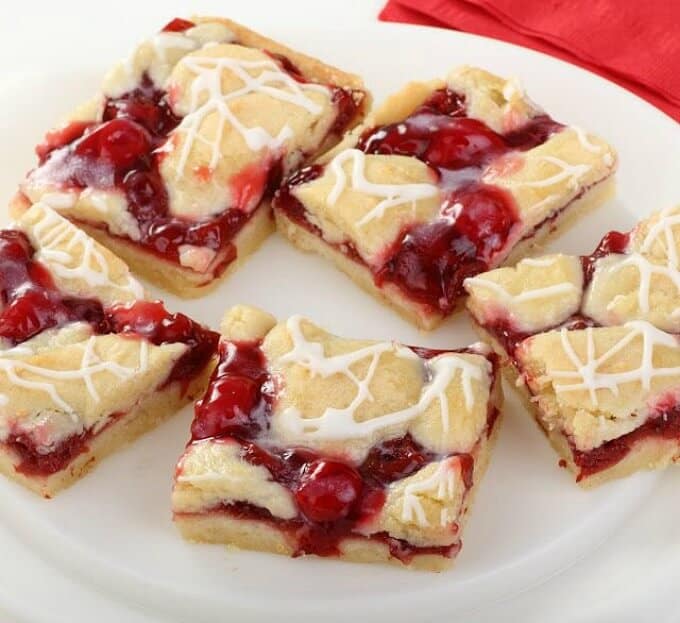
x: 86, y: 363
x: 446, y: 180
x: 307, y: 443
x: 173, y: 163
x: 593, y: 344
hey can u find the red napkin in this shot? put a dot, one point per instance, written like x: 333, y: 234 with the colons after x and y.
x: 633, y: 43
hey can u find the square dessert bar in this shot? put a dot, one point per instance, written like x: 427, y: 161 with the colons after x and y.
x: 86, y: 363
x: 447, y: 179
x: 173, y: 163
x: 593, y: 344
x: 308, y: 443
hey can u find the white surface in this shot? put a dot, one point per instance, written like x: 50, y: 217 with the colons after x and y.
x: 106, y: 548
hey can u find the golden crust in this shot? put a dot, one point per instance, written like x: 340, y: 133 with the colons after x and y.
x: 202, y: 176
x: 259, y: 536
x: 181, y: 281
x: 501, y: 104
x: 220, y: 528
x: 311, y: 67
x: 532, y: 295
x: 88, y: 380
x: 544, y: 179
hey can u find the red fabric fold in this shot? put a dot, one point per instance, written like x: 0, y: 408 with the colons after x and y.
x: 635, y: 44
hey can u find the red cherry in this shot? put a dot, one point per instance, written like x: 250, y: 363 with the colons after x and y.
x: 14, y: 246
x: 328, y: 490
x: 445, y: 102
x: 347, y: 107
x: 248, y: 362
x: 119, y: 141
x: 226, y: 408
x: 29, y: 314
x: 147, y: 107
x: 486, y: 217
x: 142, y: 317
x: 153, y: 321
x: 460, y: 143
x: 61, y: 137
x: 394, y: 459
x: 146, y: 195
x: 140, y: 109
x: 40, y: 275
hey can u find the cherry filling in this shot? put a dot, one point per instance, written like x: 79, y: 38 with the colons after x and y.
x: 478, y: 222
x: 29, y: 300
x: 34, y: 463
x: 121, y: 153
x: 613, y: 242
x: 177, y: 25
x: 30, y: 303
x: 664, y: 425
x: 333, y: 497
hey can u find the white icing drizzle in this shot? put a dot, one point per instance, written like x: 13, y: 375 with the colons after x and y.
x: 442, y: 482
x: 664, y: 227
x: 90, y: 364
x: 570, y: 172
x: 52, y: 231
x: 588, y: 145
x: 647, y: 270
x: 585, y: 142
x: 557, y: 289
x: 160, y: 44
x: 271, y: 80
x: 587, y: 376
x: 3, y: 400
x: 340, y: 423
x: 660, y: 232
x: 393, y: 194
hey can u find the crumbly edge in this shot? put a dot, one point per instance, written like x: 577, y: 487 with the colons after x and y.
x: 389, y: 294
x: 311, y: 67
x: 593, y: 197
x: 145, y: 416
x: 250, y: 534
x: 392, y: 296
x: 648, y: 454
x: 261, y: 537
x: 178, y: 280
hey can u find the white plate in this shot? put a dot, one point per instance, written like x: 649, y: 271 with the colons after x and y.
x: 109, y: 540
